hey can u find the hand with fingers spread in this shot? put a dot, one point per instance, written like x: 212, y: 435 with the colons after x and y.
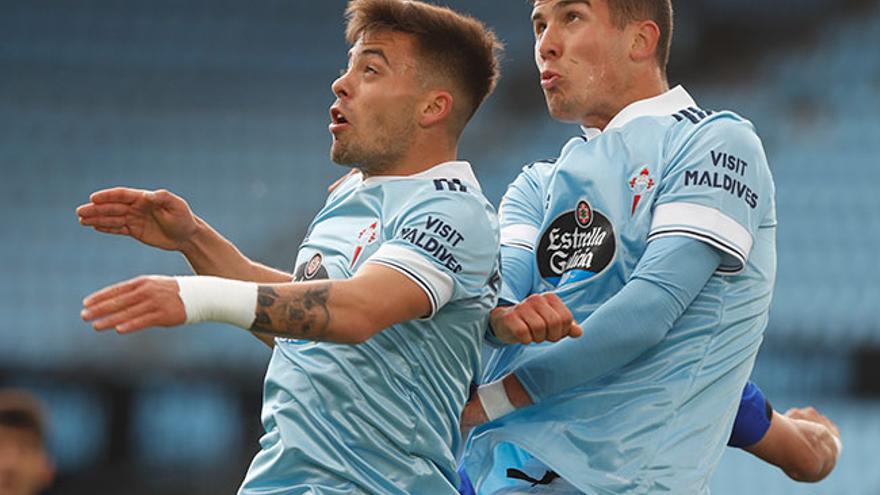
x: 143, y: 302
x: 540, y: 318
x: 156, y: 218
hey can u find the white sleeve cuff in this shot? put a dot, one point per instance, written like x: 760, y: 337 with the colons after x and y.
x: 438, y: 286
x: 522, y: 236
x: 708, y: 225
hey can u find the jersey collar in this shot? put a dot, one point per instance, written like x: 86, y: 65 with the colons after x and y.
x: 448, y: 170
x: 666, y: 104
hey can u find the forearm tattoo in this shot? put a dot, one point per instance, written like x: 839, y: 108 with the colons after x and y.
x: 297, y: 313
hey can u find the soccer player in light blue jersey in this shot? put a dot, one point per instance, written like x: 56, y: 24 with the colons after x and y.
x: 377, y: 332
x: 657, y: 229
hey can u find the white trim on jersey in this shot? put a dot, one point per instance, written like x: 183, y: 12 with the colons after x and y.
x: 666, y: 104
x: 437, y: 285
x: 705, y: 224
x: 448, y: 170
x: 521, y: 236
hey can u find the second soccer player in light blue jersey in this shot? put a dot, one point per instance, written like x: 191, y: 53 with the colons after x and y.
x: 657, y: 229
x: 658, y: 374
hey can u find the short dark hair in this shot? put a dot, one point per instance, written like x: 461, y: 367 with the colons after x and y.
x: 21, y: 410
x: 457, y: 46
x: 624, y: 12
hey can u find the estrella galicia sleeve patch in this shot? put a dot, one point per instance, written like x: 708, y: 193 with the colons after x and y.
x: 311, y: 270
x: 578, y: 245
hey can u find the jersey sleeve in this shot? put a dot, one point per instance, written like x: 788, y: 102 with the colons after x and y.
x: 716, y: 188
x: 521, y: 211
x: 634, y: 320
x: 517, y: 268
x: 521, y: 215
x: 445, y: 242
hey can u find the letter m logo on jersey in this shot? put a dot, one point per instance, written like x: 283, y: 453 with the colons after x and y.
x: 453, y: 185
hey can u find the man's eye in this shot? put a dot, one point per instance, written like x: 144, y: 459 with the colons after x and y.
x: 539, y: 28
x: 369, y: 69
x: 572, y: 16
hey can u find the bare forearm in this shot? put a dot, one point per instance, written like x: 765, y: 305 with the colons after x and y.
x: 209, y: 253
x: 343, y: 311
x: 517, y: 394
x: 317, y: 311
x: 476, y: 412
x: 294, y: 311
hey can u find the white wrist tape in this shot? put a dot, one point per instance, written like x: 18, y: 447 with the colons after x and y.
x: 495, y: 400
x: 218, y: 299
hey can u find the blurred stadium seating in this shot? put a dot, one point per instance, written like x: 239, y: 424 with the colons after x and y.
x: 225, y: 102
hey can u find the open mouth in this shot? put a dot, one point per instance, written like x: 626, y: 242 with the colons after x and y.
x: 337, y: 116
x: 338, y: 121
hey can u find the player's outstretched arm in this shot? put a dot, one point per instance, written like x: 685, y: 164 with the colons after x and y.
x: 802, y: 442
x: 164, y: 220
x: 345, y: 311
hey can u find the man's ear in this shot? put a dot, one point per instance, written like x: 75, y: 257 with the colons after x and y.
x: 645, y: 37
x: 436, y: 109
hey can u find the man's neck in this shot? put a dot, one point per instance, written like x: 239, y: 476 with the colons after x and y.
x: 655, y: 87
x: 417, y: 160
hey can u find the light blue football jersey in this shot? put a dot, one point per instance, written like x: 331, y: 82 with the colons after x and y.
x: 382, y: 417
x: 663, y: 167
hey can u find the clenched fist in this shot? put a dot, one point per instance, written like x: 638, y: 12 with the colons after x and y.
x: 540, y: 318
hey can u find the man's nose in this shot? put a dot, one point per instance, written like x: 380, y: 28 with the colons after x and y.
x: 547, y: 45
x: 340, y: 86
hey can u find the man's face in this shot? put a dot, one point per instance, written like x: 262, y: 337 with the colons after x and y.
x: 582, y: 58
x: 374, y: 118
x: 24, y: 467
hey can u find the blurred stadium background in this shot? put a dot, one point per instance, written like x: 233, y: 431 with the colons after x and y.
x: 225, y: 102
